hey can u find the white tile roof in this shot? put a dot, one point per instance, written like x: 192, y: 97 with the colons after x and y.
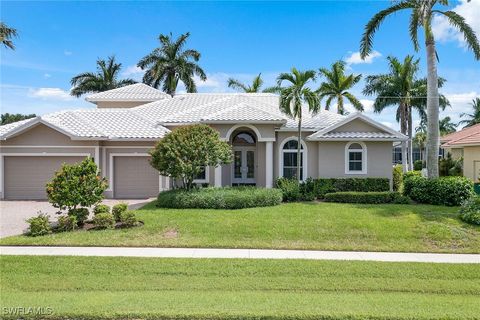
x: 134, y: 92
x: 356, y: 135
x: 148, y: 121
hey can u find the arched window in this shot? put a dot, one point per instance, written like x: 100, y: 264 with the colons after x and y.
x: 243, y: 138
x: 288, y: 159
x: 355, y: 158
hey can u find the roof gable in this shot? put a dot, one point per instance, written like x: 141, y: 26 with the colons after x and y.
x: 133, y: 92
x: 466, y: 136
x: 357, y: 127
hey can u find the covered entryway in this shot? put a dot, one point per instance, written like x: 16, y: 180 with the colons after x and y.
x: 244, y: 158
x: 25, y: 177
x: 134, y: 178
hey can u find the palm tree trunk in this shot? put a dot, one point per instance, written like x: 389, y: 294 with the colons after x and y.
x: 299, y: 147
x: 433, y: 143
x: 410, y: 138
x: 403, y: 129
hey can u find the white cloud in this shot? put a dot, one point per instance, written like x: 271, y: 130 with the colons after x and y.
x: 354, y: 58
x: 50, y: 94
x: 67, y: 52
x: 387, y: 123
x: 47, y: 75
x: 469, y: 10
x: 133, y: 72
x: 367, y: 106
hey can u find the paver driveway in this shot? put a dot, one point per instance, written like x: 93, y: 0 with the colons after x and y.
x: 14, y: 213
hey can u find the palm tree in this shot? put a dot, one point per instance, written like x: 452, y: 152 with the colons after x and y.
x: 474, y: 118
x: 6, y: 35
x: 253, y: 88
x: 292, y: 99
x: 336, y: 85
x: 171, y: 63
x: 420, y: 140
x: 422, y: 13
x: 105, y: 78
x: 446, y: 126
x: 395, y: 88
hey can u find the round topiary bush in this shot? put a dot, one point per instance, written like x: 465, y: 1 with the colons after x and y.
x: 219, y: 198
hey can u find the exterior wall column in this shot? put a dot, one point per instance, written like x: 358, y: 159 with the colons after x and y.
x: 218, y: 176
x: 269, y: 164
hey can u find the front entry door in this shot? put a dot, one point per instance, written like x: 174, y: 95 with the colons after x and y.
x: 243, y: 165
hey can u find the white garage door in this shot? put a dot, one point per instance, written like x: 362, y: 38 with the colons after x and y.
x: 134, y: 178
x: 26, y: 177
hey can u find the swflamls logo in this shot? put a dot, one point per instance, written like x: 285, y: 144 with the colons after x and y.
x: 27, y: 311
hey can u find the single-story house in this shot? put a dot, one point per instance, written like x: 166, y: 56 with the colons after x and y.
x: 465, y: 144
x: 127, y: 122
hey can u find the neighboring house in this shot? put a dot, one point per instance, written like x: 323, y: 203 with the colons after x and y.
x: 128, y: 121
x: 465, y: 143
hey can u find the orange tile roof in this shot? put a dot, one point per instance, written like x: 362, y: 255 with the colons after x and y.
x: 467, y: 136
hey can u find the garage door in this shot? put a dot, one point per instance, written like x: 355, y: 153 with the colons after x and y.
x: 134, y: 178
x: 26, y: 177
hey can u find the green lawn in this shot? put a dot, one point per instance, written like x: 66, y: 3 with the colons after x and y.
x: 323, y: 226
x: 101, y: 287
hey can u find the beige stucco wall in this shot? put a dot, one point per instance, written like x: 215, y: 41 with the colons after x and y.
x: 357, y: 125
x: 120, y: 104
x: 456, y: 153
x: 331, y: 160
x: 471, y: 163
x: 42, y: 135
x: 266, y: 131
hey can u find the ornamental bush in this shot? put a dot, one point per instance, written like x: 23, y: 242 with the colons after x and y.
x: 448, y: 191
x: 128, y: 219
x: 185, y: 152
x: 219, y: 198
x: 39, y: 225
x: 104, y: 221
x: 418, y: 165
x: 367, y: 197
x: 290, y: 189
x: 470, y: 210
x: 67, y: 223
x: 101, y: 208
x: 118, y: 209
x: 80, y: 214
x: 397, y: 176
x: 77, y: 185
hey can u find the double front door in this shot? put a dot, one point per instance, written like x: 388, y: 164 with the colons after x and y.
x: 243, y: 165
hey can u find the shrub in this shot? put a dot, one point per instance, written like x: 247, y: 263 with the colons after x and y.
x: 470, y: 211
x: 450, y: 167
x: 418, y: 165
x: 449, y: 191
x: 366, y: 197
x: 118, y: 209
x: 128, y: 219
x: 67, y: 223
x: 104, y: 221
x: 39, y: 225
x: 81, y: 214
x: 310, y: 189
x: 290, y: 189
x: 397, y: 177
x: 101, y: 208
x: 77, y: 185
x: 185, y: 152
x: 220, y: 198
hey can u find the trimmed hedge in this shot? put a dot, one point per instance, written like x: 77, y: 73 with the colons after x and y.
x: 448, y: 191
x: 219, y: 198
x: 312, y: 189
x: 367, y: 197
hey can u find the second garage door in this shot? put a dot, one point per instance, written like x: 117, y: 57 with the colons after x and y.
x: 134, y: 178
x: 26, y: 177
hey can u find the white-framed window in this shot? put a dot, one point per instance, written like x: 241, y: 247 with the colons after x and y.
x: 288, y: 159
x: 203, y: 176
x: 355, y: 158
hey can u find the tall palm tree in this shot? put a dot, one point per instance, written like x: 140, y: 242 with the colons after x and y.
x: 171, y: 63
x: 337, y: 85
x: 253, y: 88
x: 105, y: 78
x: 6, y: 35
x: 293, y: 97
x: 474, y: 118
x: 422, y: 13
x: 395, y: 89
x: 420, y: 139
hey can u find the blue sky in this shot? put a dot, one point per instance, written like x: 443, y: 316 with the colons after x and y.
x: 236, y: 39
